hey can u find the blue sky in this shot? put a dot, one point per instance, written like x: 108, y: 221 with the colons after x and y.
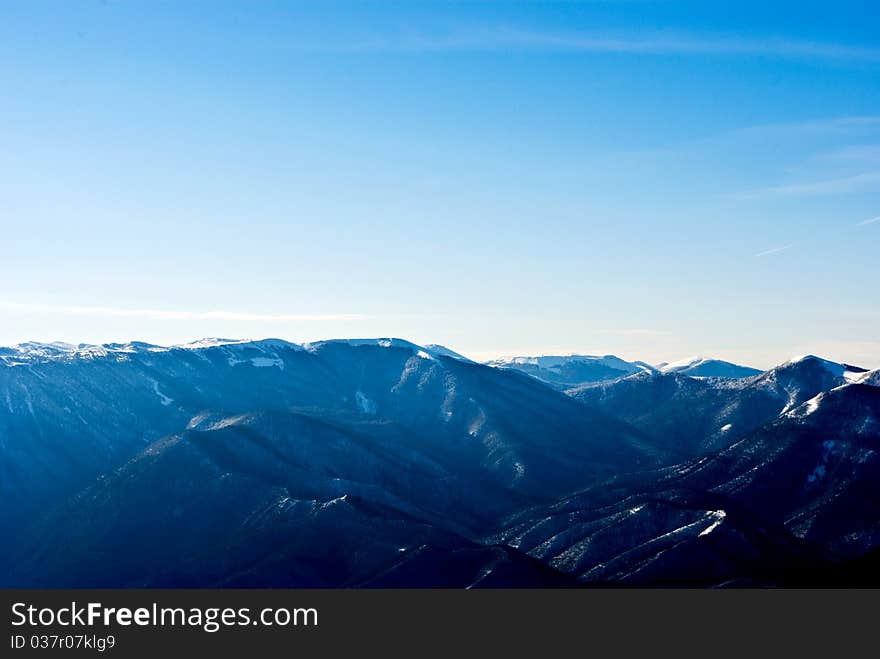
x: 651, y: 179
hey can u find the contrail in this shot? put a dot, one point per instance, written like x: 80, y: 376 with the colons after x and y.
x: 774, y: 250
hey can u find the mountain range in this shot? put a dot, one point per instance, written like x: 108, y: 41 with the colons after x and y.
x: 572, y: 370
x: 383, y: 463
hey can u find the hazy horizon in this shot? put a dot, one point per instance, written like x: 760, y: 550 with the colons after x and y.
x: 646, y: 179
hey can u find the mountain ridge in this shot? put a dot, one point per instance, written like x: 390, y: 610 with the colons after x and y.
x: 376, y: 462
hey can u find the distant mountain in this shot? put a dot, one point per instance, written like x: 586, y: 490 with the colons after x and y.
x: 708, y: 368
x: 427, y: 351
x: 383, y: 463
x: 694, y: 416
x: 566, y: 371
x: 572, y: 370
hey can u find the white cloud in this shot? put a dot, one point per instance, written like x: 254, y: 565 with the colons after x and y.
x: 873, y: 220
x: 166, y: 314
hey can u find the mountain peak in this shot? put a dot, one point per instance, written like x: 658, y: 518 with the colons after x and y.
x: 707, y: 367
x: 210, y: 342
x: 428, y: 351
x: 839, y: 370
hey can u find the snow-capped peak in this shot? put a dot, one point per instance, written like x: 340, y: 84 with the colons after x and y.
x: 848, y: 372
x: 680, y: 364
x: 706, y: 367
x: 832, y: 367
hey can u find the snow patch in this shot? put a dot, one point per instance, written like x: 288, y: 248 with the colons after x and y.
x: 334, y: 502
x: 268, y: 362
x: 364, y: 404
x: 165, y: 400
x: 806, y: 408
x: 228, y: 421
x: 829, y: 447
x: 718, y: 516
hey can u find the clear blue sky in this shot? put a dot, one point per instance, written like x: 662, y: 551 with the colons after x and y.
x: 651, y: 179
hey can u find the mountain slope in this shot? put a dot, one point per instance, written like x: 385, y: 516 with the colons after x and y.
x: 446, y: 445
x: 271, y: 499
x: 795, y: 496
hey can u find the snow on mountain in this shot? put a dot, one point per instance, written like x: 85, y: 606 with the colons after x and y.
x: 33, y: 351
x: 260, y: 352
x: 211, y: 342
x: 838, y: 372
x: 442, y: 351
x: 834, y: 368
x: 704, y: 367
x: 868, y: 377
x: 572, y: 370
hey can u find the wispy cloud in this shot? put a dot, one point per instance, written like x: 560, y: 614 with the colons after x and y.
x: 638, y: 331
x: 858, y: 153
x: 873, y: 220
x: 652, y: 43
x: 774, y: 250
x: 167, y: 314
x: 845, y: 185
x: 822, y: 125
x: 862, y: 127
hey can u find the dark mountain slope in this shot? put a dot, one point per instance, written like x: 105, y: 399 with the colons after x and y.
x: 276, y: 499
x: 798, y: 495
